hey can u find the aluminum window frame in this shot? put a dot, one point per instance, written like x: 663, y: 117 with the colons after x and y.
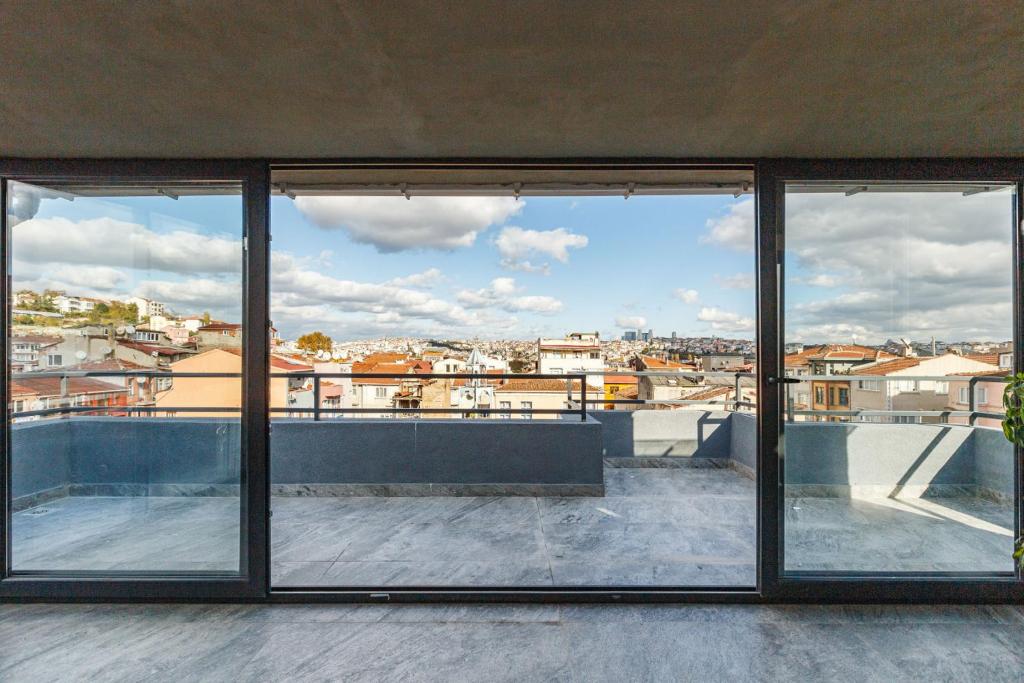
x: 251, y: 581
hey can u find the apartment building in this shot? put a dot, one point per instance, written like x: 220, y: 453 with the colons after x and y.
x: 910, y: 394
x: 578, y: 352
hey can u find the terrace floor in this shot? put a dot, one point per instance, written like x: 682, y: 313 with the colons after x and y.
x: 654, y: 527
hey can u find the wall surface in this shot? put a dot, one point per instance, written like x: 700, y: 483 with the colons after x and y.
x: 674, y: 433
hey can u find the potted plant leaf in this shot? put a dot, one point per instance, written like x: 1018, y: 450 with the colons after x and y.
x: 1013, y: 429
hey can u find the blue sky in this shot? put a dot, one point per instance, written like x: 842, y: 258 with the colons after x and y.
x: 637, y: 253
x: 861, y: 268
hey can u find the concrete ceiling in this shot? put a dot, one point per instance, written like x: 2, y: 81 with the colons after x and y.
x: 211, y: 78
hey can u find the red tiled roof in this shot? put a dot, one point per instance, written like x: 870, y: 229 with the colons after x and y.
x: 621, y: 379
x: 886, y: 367
x: 35, y: 339
x: 154, y: 348
x: 705, y: 394
x: 543, y: 385
x: 216, y: 327
x: 275, y: 361
x: 50, y: 386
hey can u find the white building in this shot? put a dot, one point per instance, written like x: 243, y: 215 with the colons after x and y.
x: 579, y: 352
x: 146, y: 307
x: 74, y: 304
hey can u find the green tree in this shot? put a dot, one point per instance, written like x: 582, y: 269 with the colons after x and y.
x: 315, y: 341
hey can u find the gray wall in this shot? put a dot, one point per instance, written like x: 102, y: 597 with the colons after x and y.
x: 117, y: 456
x: 437, y: 451
x: 743, y: 440
x: 993, y: 462
x: 680, y: 433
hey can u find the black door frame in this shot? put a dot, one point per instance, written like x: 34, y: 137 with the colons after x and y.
x: 253, y: 585
x: 252, y: 581
x: 856, y: 587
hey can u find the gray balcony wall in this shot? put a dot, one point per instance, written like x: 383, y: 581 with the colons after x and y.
x: 174, y: 456
x: 993, y: 463
x: 200, y: 456
x: 665, y: 433
x: 437, y: 457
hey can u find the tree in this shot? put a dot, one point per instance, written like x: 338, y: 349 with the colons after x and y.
x: 206, y: 318
x: 315, y: 341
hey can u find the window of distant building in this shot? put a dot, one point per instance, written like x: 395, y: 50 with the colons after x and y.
x: 526, y: 405
x: 981, y: 395
x: 819, y: 394
x: 506, y: 409
x: 381, y: 392
x: 843, y: 396
x: 55, y: 359
x: 869, y: 385
x: 964, y: 395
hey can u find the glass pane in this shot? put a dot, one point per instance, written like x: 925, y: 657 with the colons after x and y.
x: 125, y: 452
x: 898, y: 326
x: 493, y: 478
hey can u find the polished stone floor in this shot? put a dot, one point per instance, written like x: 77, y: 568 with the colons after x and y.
x: 510, y: 643
x: 655, y: 527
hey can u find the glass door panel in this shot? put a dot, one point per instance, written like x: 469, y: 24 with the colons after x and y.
x: 898, y: 336
x: 125, y: 359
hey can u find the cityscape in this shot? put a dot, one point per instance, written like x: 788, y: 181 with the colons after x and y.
x: 60, y: 332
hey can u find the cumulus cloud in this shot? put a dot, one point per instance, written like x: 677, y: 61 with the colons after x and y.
x: 725, y: 321
x: 121, y: 244
x: 631, y: 322
x: 901, y: 264
x: 687, y: 296
x: 396, y: 224
x: 503, y: 293
x: 89, y: 280
x: 427, y: 279
x: 734, y: 230
x: 737, y: 281
x: 515, y: 244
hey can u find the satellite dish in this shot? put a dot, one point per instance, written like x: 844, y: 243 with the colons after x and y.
x: 467, y: 394
x: 336, y: 355
x: 141, y: 380
x: 130, y: 329
x: 106, y: 349
x: 119, y: 329
x: 81, y: 355
x: 486, y: 395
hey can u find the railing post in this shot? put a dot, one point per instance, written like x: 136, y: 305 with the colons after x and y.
x: 737, y: 394
x: 971, y: 403
x: 316, y: 397
x: 583, y: 397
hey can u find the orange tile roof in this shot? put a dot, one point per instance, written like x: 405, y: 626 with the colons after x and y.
x: 886, y: 367
x: 382, y: 368
x: 50, y: 386
x: 705, y: 394
x: 620, y: 379
x: 542, y: 385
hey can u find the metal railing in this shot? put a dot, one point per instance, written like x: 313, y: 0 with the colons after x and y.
x: 576, y: 407
x: 972, y: 413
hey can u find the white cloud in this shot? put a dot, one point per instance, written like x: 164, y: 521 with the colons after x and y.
x: 515, y: 244
x: 395, y: 224
x: 737, y: 281
x: 502, y: 294
x: 687, y: 296
x: 725, y: 321
x: 734, y: 230
x: 631, y: 322
x: 903, y: 264
x: 86, y: 280
x: 120, y: 244
x: 194, y: 295
x: 427, y: 279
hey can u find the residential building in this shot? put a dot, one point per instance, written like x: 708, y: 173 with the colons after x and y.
x: 146, y: 307
x: 721, y: 362
x: 616, y: 384
x: 988, y: 397
x: 31, y: 351
x: 665, y: 388
x: 222, y: 392
x: 578, y: 352
x: 219, y: 335
x: 909, y: 394
x: 42, y: 393
x: 537, y: 394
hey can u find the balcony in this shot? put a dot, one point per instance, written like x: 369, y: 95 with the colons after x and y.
x: 643, y: 497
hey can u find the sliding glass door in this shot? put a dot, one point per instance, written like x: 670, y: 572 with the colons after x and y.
x: 898, y: 339
x: 128, y: 462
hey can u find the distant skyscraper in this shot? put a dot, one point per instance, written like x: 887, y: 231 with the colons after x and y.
x: 629, y: 335
x: 673, y: 335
